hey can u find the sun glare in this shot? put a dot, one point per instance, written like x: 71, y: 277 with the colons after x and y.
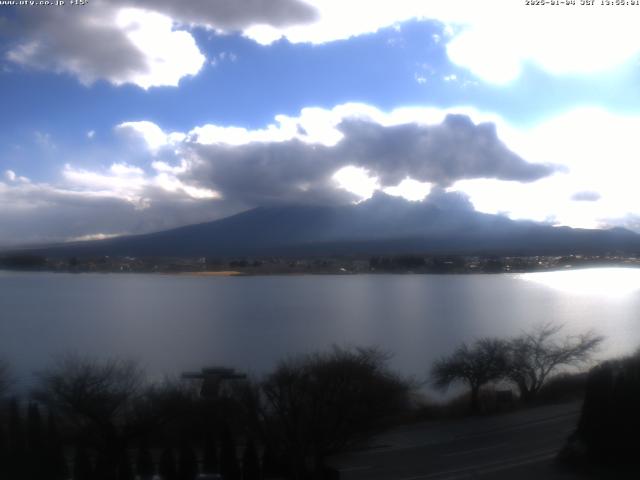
x: 608, y: 282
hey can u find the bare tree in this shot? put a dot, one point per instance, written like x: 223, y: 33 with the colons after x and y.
x: 90, y: 391
x: 320, y: 404
x: 476, y: 365
x: 534, y: 356
x: 109, y: 402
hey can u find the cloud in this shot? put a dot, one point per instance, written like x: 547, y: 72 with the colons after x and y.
x: 230, y: 15
x: 598, y: 150
x: 149, y: 42
x: 339, y: 155
x: 586, y: 196
x: 151, y: 134
x: 39, y: 213
x: 120, y: 45
x: 443, y: 153
x: 143, y: 42
x: 322, y: 156
x: 494, y: 39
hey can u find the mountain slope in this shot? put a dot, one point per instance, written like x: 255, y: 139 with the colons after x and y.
x: 383, y: 224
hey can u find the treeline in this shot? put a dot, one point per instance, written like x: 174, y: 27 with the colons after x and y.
x: 606, y: 437
x: 526, y: 361
x: 25, y: 261
x: 106, y: 422
x: 103, y: 420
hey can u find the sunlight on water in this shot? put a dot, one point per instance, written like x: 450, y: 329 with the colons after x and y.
x: 609, y: 282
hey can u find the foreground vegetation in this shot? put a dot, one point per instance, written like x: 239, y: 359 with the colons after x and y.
x: 526, y: 361
x: 116, y: 425
x: 607, y: 432
x: 102, y: 420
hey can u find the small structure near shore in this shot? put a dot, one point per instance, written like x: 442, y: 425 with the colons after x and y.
x: 211, y: 379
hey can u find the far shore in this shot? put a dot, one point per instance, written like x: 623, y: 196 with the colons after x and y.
x: 223, y: 273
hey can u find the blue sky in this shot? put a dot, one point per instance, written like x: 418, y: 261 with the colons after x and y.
x: 127, y: 117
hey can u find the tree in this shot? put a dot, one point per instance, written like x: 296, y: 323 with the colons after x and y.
x: 82, y: 469
x: 4, y: 454
x: 144, y: 462
x: 609, y: 422
x: 187, y: 462
x: 56, y: 463
x: 109, y: 403
x: 36, y: 445
x: 229, y: 467
x: 99, y: 398
x: 476, y: 365
x: 534, y: 356
x: 17, y: 443
x: 250, y: 462
x: 5, y: 377
x: 167, y: 467
x: 319, y: 404
x: 210, y: 462
x: 125, y: 472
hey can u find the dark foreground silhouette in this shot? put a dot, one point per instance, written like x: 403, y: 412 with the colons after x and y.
x: 102, y: 420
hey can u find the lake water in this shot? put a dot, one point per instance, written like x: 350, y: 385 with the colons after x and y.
x: 176, y: 323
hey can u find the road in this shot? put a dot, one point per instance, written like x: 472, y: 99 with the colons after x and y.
x: 518, y: 445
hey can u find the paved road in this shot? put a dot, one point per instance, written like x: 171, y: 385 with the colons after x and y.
x: 518, y: 445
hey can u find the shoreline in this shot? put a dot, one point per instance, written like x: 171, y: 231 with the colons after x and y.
x: 239, y: 273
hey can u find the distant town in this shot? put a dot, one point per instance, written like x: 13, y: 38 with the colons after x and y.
x: 315, y: 265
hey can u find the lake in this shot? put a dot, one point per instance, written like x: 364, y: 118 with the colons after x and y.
x: 177, y: 323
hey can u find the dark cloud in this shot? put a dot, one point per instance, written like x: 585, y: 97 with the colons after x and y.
x: 88, y: 42
x: 75, y: 40
x: 261, y: 173
x: 449, y: 201
x: 128, y: 199
x: 454, y: 150
x: 258, y: 174
x: 229, y: 15
x: 586, y: 196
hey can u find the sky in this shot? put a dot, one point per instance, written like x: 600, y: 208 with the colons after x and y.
x: 122, y: 117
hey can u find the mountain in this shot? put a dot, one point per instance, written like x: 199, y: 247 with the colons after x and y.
x: 445, y: 223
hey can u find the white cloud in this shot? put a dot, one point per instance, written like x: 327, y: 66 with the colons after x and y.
x: 154, y: 137
x: 11, y: 176
x: 599, y: 150
x: 132, y: 183
x: 493, y: 38
x: 410, y: 189
x: 169, y: 54
x: 357, y: 180
x: 148, y: 43
x: 93, y: 236
x: 77, y: 209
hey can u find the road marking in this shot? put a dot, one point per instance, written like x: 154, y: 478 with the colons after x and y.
x: 487, y: 467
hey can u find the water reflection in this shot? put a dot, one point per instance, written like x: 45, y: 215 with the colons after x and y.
x: 176, y: 323
x: 608, y: 282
